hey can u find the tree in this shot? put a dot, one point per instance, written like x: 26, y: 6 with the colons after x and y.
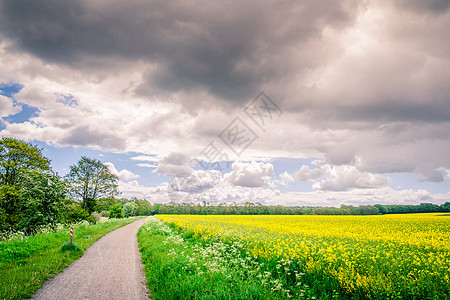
x: 73, y: 212
x: 16, y: 158
x: 115, y: 211
x: 144, y: 207
x: 90, y: 179
x: 129, y: 209
x: 381, y: 208
x: 103, y: 204
x: 43, y: 198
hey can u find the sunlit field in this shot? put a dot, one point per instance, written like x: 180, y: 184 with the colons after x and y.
x: 374, y: 257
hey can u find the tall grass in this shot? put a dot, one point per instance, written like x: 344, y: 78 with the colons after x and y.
x: 27, y: 262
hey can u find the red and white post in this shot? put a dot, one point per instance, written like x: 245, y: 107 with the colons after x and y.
x: 71, y: 235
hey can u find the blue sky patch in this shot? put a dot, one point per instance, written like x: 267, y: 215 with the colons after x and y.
x: 27, y: 112
x: 8, y: 89
x: 67, y: 99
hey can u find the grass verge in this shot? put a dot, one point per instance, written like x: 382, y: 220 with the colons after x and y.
x: 25, y: 264
x: 180, y: 266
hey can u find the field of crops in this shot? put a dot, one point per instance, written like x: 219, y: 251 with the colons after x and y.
x: 395, y: 256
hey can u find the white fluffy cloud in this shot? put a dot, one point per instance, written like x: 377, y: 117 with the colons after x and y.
x: 252, y: 174
x: 307, y: 174
x: 245, y: 183
x: 190, y: 188
x: 340, y: 178
x: 124, y: 175
x: 286, y: 178
x: 175, y: 164
x: 7, y: 107
x: 132, y: 189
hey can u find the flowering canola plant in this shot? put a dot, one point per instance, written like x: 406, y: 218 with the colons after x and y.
x: 390, y: 254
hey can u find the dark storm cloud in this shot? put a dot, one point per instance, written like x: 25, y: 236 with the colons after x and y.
x: 228, y: 49
x: 396, y: 111
x: 360, y: 82
x: 433, y: 6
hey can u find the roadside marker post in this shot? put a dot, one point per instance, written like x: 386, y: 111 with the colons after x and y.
x: 71, y: 235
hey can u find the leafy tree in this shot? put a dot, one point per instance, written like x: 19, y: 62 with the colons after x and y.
x: 105, y: 203
x: 90, y: 179
x: 16, y: 158
x: 144, y: 207
x: 129, y: 209
x: 115, y: 211
x: 43, y: 198
x: 73, y: 211
x: 446, y: 206
x: 10, y: 204
x: 381, y: 208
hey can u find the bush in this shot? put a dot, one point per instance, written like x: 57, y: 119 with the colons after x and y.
x: 115, y: 211
x: 129, y: 209
x: 74, y: 213
x: 42, y: 197
x: 69, y: 247
x: 96, y: 216
x: 104, y: 214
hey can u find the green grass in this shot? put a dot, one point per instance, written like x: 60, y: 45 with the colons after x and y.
x: 180, y: 266
x: 25, y: 264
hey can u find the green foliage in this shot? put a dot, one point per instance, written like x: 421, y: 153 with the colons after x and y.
x: 90, y: 179
x: 2, y: 218
x: 17, y: 161
x: 103, y: 204
x: 10, y: 205
x: 42, y: 200
x: 17, y: 156
x: 96, y: 216
x: 73, y: 212
x: 129, y: 209
x: 144, y: 207
x: 115, y: 211
x: 67, y: 246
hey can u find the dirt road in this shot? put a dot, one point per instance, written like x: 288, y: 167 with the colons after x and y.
x: 110, y: 269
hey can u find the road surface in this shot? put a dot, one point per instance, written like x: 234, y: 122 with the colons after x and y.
x: 110, y: 269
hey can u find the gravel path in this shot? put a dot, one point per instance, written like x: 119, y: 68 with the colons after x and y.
x: 110, y: 269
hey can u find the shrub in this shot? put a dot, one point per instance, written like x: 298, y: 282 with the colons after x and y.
x: 129, y: 209
x: 96, y: 216
x: 42, y: 197
x: 69, y: 247
x: 115, y: 211
x: 74, y: 213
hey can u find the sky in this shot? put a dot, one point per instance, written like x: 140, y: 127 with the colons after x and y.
x: 283, y: 102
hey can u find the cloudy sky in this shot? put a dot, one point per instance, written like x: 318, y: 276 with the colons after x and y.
x: 278, y: 102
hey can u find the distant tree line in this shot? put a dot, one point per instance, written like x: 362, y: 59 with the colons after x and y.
x: 145, y: 208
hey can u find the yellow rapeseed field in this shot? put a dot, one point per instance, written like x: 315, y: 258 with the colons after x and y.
x: 406, y: 253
